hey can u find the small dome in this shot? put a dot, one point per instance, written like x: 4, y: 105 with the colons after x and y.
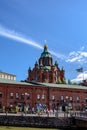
x: 45, y: 52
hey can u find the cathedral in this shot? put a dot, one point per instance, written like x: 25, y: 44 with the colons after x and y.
x: 44, y: 89
x: 45, y: 71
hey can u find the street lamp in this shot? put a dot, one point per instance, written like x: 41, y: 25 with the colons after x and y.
x: 25, y: 107
x: 67, y: 103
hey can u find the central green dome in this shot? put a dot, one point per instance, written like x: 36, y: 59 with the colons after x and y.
x: 45, y: 52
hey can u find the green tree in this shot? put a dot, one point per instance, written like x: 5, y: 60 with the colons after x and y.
x: 69, y: 81
x: 64, y: 81
x: 59, y: 81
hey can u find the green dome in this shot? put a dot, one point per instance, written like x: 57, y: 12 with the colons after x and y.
x: 45, y: 53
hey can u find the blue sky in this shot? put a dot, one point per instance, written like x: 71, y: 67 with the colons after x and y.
x: 25, y: 24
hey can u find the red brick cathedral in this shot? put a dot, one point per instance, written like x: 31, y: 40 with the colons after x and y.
x: 45, y: 71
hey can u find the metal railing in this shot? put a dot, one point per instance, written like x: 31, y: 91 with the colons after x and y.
x: 81, y: 114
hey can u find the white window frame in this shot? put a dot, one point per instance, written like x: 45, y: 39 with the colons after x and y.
x: 17, y: 95
x: 53, y: 97
x: 43, y: 96
x: 38, y: 96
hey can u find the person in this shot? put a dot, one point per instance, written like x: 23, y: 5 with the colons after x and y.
x: 32, y: 110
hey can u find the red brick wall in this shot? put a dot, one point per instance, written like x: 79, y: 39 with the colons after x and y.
x: 48, y: 93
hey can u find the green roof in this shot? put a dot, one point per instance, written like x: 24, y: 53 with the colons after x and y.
x: 46, y: 67
x: 45, y: 53
x: 42, y: 84
x: 8, y: 81
x: 65, y: 86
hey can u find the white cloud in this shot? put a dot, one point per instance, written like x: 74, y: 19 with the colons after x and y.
x: 84, y: 54
x: 57, y: 54
x: 79, y: 56
x: 80, y: 77
x: 18, y: 37
x: 21, y: 38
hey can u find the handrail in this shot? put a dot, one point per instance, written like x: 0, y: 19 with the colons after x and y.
x: 82, y: 114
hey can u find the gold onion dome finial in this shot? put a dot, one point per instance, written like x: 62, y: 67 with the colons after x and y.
x: 45, y: 46
x: 45, y: 52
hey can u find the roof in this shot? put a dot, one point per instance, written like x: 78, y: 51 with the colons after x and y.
x: 64, y: 86
x: 7, y: 73
x: 42, y: 84
x: 7, y: 81
x: 45, y: 52
x: 47, y: 67
x: 13, y: 82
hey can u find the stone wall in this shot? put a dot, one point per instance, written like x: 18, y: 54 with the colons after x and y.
x: 81, y: 122
x: 36, y: 121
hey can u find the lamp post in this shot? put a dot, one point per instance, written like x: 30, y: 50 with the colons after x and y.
x: 67, y: 103
x: 25, y: 107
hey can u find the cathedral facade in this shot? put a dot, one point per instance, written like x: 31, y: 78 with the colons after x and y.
x: 45, y: 71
